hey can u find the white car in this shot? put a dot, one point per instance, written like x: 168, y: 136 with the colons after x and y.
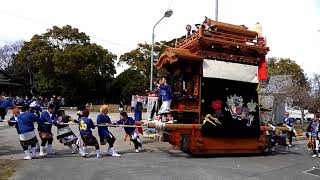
x: 295, y: 113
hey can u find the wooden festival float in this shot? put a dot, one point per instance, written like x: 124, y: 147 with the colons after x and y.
x: 214, y: 73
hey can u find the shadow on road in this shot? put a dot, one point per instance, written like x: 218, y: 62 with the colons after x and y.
x: 185, y: 154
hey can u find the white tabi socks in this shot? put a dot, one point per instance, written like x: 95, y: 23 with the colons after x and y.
x: 50, y: 149
x: 113, y: 153
x: 42, y: 148
x: 98, y: 153
x: 72, y: 148
x: 38, y: 145
x: 82, y: 152
x: 28, y: 155
x: 33, y: 152
x: 85, y: 150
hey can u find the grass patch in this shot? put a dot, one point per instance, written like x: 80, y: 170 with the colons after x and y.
x: 7, y: 168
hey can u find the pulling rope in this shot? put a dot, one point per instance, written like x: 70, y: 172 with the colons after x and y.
x: 98, y: 125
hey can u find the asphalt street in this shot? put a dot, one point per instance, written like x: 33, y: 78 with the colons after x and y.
x: 158, y: 161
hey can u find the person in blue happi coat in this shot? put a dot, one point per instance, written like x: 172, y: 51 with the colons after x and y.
x: 105, y: 135
x: 131, y: 131
x: 85, y: 126
x: 24, y: 123
x: 47, y: 119
x: 5, y: 105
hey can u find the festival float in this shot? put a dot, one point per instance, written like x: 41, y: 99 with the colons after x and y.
x: 215, y: 72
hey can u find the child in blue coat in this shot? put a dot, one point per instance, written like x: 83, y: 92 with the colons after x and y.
x: 47, y: 119
x: 131, y: 131
x: 105, y: 135
x: 138, y: 115
x: 64, y: 133
x: 85, y: 126
x: 24, y: 124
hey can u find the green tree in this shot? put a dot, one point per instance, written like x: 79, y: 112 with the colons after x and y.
x: 64, y: 61
x: 139, y: 72
x: 129, y: 82
x: 139, y: 58
x: 281, y: 66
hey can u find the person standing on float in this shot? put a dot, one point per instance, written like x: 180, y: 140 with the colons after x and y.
x: 166, y: 94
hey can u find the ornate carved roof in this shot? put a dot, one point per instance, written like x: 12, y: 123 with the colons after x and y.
x: 172, y: 55
x: 217, y: 40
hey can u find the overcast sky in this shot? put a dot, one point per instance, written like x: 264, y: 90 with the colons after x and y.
x: 289, y: 25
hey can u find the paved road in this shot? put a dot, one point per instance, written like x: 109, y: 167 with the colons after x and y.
x: 158, y: 161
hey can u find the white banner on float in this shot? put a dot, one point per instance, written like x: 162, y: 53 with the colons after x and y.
x: 230, y: 71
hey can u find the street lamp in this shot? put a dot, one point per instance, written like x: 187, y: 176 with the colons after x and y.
x: 217, y: 10
x: 168, y: 13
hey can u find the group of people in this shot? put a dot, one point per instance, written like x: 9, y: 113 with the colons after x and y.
x: 35, y: 103
x: 312, y: 134
x: 23, y: 119
x: 280, y: 138
x: 42, y: 100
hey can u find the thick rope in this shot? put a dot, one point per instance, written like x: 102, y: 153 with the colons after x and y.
x: 99, y: 125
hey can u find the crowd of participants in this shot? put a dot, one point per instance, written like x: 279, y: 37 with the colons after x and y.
x: 41, y: 100
x: 35, y: 103
x: 30, y: 114
x: 284, y: 139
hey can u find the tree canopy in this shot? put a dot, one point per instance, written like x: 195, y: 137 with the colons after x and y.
x: 281, y: 66
x: 139, y: 59
x: 129, y: 82
x: 64, y: 61
x: 135, y: 80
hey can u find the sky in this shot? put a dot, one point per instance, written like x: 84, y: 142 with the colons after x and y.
x: 290, y: 26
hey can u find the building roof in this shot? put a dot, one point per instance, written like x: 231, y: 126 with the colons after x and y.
x: 6, y: 80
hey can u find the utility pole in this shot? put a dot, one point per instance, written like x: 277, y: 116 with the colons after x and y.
x: 217, y: 10
x: 28, y: 67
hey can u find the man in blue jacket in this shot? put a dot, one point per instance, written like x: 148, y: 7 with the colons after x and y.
x: 289, y: 122
x: 166, y: 94
x: 5, y: 104
x: 47, y: 118
x: 25, y: 128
